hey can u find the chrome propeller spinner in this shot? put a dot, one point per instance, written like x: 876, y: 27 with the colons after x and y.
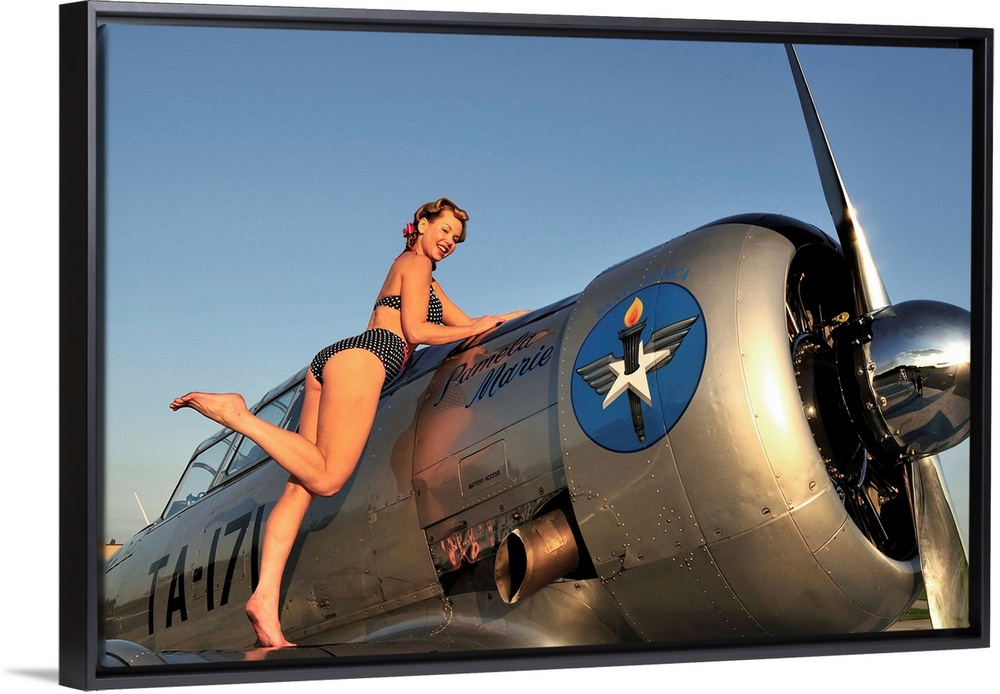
x: 905, y: 373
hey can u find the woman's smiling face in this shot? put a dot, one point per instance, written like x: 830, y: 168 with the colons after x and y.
x: 438, y: 237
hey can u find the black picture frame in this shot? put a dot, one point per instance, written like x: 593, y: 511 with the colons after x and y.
x: 80, y: 645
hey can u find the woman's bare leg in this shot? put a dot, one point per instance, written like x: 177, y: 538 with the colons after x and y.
x: 282, y: 527
x: 280, y: 531
x: 353, y: 380
x: 338, y: 418
x: 352, y: 386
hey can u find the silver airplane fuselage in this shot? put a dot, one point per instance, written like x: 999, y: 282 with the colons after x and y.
x: 664, y: 457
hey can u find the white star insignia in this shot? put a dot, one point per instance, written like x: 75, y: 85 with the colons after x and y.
x: 606, y: 375
x: 638, y: 380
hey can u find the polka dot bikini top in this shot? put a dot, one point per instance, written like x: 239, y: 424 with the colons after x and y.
x: 435, y: 312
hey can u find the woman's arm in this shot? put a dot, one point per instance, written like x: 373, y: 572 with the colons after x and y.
x: 416, y: 280
x: 453, y: 315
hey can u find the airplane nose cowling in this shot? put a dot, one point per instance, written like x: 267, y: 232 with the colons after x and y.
x: 911, y: 366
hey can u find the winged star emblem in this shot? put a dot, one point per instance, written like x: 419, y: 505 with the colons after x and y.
x: 610, y: 376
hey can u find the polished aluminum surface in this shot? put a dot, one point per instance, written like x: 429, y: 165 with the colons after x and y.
x: 943, y: 563
x: 733, y: 513
x: 920, y: 370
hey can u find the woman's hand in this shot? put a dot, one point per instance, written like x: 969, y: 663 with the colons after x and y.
x: 481, y: 325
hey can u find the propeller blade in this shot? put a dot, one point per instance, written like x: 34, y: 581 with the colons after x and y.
x: 943, y: 562
x: 869, y: 290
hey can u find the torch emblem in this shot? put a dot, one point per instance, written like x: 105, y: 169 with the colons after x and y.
x: 612, y: 375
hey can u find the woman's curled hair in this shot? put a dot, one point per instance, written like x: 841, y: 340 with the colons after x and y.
x: 431, y: 210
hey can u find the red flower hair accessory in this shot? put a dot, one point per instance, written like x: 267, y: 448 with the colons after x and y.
x: 409, y: 230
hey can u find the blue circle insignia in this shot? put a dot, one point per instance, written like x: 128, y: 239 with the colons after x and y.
x: 639, y: 367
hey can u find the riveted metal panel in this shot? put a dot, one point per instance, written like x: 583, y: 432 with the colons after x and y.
x: 399, y: 626
x: 636, y: 513
x: 386, y: 464
x: 886, y: 588
x: 482, y: 471
x: 820, y: 518
x: 402, y: 560
x: 779, y: 417
x: 630, y: 506
x: 488, y: 405
x: 785, y: 587
x: 477, y: 621
x: 718, y: 441
x: 682, y: 598
x: 583, y: 611
x: 485, y: 387
x: 333, y: 573
x: 516, y: 465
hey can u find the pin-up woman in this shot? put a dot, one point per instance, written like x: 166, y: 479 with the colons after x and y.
x: 342, y: 389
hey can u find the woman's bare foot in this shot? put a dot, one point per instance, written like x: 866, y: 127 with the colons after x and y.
x: 263, y: 616
x: 224, y: 408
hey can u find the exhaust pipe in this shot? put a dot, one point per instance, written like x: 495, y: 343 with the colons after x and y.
x: 534, y: 555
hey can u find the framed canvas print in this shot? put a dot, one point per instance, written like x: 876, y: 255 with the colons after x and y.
x: 706, y: 378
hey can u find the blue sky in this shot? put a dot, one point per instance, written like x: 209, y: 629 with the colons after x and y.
x: 256, y: 183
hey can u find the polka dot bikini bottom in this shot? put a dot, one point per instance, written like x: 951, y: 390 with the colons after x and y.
x: 384, y: 344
